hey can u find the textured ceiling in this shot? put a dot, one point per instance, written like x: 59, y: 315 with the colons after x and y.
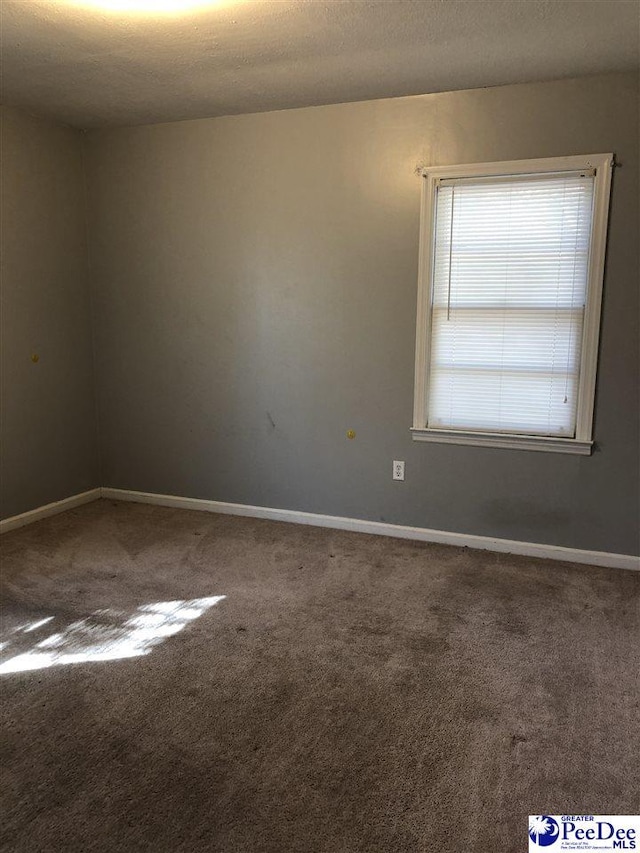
x: 93, y: 68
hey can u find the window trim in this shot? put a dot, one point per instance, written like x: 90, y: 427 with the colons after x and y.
x: 582, y: 444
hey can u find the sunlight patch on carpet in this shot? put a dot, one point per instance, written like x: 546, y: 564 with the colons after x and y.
x: 106, y: 634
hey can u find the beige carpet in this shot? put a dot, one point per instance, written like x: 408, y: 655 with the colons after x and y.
x: 349, y: 693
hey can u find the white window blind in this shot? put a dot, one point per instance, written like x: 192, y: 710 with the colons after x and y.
x: 509, y: 286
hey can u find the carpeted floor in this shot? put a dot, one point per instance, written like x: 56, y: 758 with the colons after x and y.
x: 349, y: 693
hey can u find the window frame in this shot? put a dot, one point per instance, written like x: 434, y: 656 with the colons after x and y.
x: 582, y: 443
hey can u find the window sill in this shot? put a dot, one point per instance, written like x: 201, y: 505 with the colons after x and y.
x: 509, y: 442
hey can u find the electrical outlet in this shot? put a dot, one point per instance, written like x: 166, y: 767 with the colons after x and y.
x: 398, y: 470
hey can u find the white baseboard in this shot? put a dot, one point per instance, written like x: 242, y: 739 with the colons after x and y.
x: 378, y: 528
x: 398, y: 531
x: 14, y: 521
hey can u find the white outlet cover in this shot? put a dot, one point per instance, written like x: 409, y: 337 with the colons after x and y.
x: 398, y: 470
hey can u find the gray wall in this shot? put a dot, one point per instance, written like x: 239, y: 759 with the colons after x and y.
x: 255, y: 297
x: 49, y: 448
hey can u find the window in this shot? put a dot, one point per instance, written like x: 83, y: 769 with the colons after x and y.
x: 511, y: 268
